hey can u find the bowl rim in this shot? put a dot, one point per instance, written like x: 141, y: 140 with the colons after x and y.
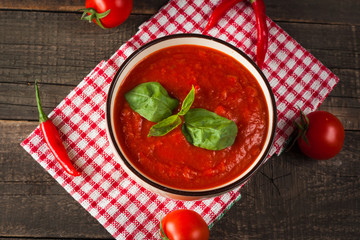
x: 192, y: 193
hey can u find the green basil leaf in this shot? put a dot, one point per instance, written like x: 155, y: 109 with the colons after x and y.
x: 188, y: 101
x: 151, y: 101
x: 208, y: 130
x: 165, y: 126
x: 168, y: 124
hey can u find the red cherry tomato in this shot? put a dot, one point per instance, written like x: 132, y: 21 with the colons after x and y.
x: 184, y: 225
x: 119, y: 11
x: 323, y: 135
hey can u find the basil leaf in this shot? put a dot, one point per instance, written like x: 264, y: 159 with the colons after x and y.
x: 188, y: 101
x: 208, y: 130
x: 151, y: 101
x: 168, y: 124
x: 165, y: 126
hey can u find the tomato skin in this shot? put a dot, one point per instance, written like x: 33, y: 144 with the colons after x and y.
x: 120, y: 10
x: 325, y: 135
x: 185, y: 224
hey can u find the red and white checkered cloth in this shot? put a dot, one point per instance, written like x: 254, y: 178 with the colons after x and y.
x: 125, y: 209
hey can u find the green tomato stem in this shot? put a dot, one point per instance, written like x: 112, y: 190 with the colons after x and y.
x: 162, y: 233
x: 90, y: 14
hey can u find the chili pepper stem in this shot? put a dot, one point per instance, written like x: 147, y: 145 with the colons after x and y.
x: 42, y: 116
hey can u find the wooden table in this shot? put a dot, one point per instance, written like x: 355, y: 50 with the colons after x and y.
x: 291, y: 197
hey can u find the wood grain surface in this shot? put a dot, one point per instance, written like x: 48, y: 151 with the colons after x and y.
x: 291, y: 197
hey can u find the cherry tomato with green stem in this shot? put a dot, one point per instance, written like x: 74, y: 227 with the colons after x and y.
x: 107, y: 13
x: 320, y: 135
x: 184, y: 224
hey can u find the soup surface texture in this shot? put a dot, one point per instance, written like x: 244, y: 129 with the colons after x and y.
x: 222, y: 86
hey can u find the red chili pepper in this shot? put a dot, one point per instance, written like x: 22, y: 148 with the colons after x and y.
x: 262, y: 30
x: 219, y: 12
x: 53, y: 140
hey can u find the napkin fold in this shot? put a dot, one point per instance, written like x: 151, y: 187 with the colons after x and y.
x: 124, y: 208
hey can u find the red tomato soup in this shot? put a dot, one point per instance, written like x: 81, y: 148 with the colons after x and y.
x: 222, y: 86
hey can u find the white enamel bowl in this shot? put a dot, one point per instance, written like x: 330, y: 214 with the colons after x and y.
x: 190, y: 39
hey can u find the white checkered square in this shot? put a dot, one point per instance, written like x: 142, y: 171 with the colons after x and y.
x: 87, y: 187
x: 114, y: 193
x: 97, y: 178
x: 325, y: 75
x: 299, y: 53
x: 133, y: 189
x: 65, y: 129
x: 282, y: 73
x: 95, y: 117
x: 123, y: 199
x: 85, y: 203
x: 298, y: 71
x: 94, y: 212
x: 86, y: 109
x: 143, y: 198
x: 76, y: 196
x: 281, y: 124
x: 103, y: 203
x: 97, y: 99
x: 290, y: 63
x: 106, y: 185
x: 57, y: 119
x: 90, y: 152
x: 150, y: 226
x: 307, y: 95
x: 76, y: 119
x: 139, y: 235
x: 151, y: 207
x: 290, y: 46
x: 89, y: 170
x: 188, y: 26
x: 290, y: 98
x: 76, y: 100
x: 108, y: 151
x: 307, y: 60
x: 84, y: 127
x: 216, y: 208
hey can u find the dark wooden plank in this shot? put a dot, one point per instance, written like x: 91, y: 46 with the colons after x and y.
x: 18, y: 100
x: 43, y: 5
x: 15, y: 163
x: 331, y: 37
x: 23, y: 215
x: 57, y: 47
x: 322, y: 11
x: 139, y: 7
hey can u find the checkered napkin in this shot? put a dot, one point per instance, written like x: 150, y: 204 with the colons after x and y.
x: 124, y: 208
